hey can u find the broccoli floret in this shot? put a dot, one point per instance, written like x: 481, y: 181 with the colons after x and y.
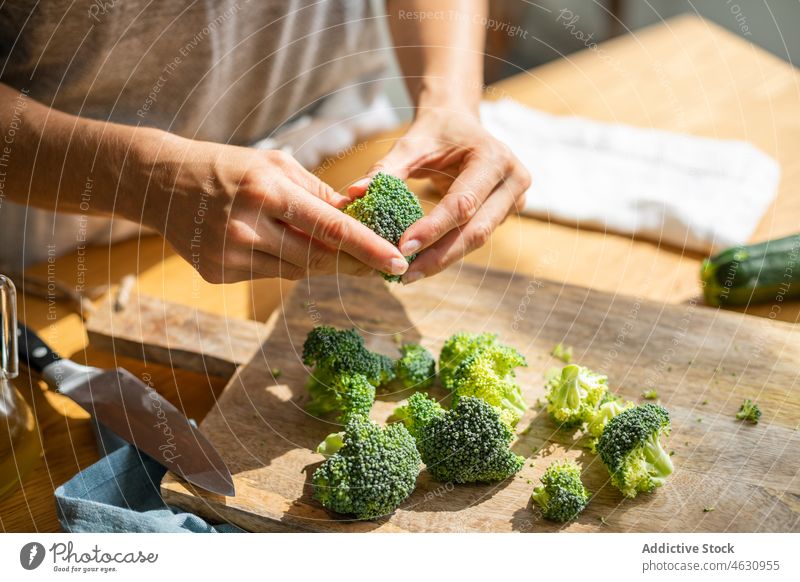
x: 561, y: 496
x: 630, y: 447
x: 749, y: 411
x: 488, y: 373
x: 416, y: 367
x: 562, y: 352
x: 347, y: 394
x: 373, y: 471
x: 478, y: 365
x: 388, y: 208
x: 574, y: 396
x: 468, y: 443
x: 458, y: 347
x: 346, y: 372
x: 610, y: 407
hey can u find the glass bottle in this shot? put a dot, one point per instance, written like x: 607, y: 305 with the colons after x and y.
x: 20, y: 446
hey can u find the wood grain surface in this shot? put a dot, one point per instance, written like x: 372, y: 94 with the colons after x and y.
x: 685, y: 74
x: 175, y: 335
x: 702, y: 362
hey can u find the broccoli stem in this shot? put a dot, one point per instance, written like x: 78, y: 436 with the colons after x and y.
x: 659, y: 463
x: 540, y: 497
x: 571, y: 387
x: 516, y: 403
x: 332, y: 443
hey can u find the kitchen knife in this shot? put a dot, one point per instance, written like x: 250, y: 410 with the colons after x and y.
x: 133, y: 410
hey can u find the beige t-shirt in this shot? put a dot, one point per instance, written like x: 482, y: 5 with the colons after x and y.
x: 229, y: 71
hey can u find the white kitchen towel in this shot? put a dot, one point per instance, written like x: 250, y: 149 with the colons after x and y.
x: 690, y: 192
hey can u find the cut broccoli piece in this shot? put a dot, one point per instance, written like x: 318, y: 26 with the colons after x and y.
x: 458, y: 347
x: 388, y: 208
x: 479, y: 365
x: 338, y: 351
x: 561, y: 496
x: 562, y: 352
x: 345, y: 373
x: 630, y: 447
x: 650, y: 395
x: 373, y: 471
x: 610, y: 407
x: 749, y: 411
x: 346, y: 394
x: 416, y: 367
x: 469, y: 443
x: 574, y: 396
x: 489, y: 374
x: 332, y: 443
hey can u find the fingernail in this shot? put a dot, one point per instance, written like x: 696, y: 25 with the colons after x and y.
x: 410, y: 247
x: 412, y: 277
x: 398, y: 266
x: 362, y: 183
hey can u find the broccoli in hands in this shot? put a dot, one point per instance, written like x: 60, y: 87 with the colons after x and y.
x: 469, y: 443
x: 630, y: 447
x: 388, y: 208
x: 370, y: 469
x: 561, y: 496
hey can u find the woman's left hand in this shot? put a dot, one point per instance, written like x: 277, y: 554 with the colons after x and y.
x: 481, y: 179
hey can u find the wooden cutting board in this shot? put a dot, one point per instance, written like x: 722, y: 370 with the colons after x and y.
x: 703, y: 362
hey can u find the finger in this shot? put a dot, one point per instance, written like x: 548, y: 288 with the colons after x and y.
x: 458, y: 243
x: 317, y: 187
x: 304, y: 179
x: 337, y: 230
x: 259, y: 265
x: 256, y: 265
x: 461, y: 203
x: 295, y: 247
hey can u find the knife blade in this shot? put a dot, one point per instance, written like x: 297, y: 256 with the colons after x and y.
x: 133, y: 410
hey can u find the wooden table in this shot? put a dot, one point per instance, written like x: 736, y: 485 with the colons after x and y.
x: 685, y: 74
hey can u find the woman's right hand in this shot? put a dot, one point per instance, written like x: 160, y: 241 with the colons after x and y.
x: 236, y: 214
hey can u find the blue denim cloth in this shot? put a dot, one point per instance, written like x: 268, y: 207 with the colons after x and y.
x: 120, y: 493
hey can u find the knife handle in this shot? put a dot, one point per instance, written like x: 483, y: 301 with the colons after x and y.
x: 32, y: 350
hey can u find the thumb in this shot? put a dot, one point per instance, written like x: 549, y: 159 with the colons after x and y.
x: 398, y: 163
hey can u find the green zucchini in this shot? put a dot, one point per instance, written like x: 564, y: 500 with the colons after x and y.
x: 758, y: 273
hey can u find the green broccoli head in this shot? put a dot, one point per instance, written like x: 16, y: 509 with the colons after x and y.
x: 371, y: 473
x: 346, y: 372
x: 573, y: 397
x: 457, y: 348
x: 561, y: 496
x: 342, y: 351
x: 630, y: 447
x: 388, y: 208
x: 468, y: 443
x: 610, y: 407
x: 488, y: 373
x: 347, y: 394
x: 416, y: 367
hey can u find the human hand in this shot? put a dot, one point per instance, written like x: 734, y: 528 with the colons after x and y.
x: 481, y: 179
x: 237, y: 214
